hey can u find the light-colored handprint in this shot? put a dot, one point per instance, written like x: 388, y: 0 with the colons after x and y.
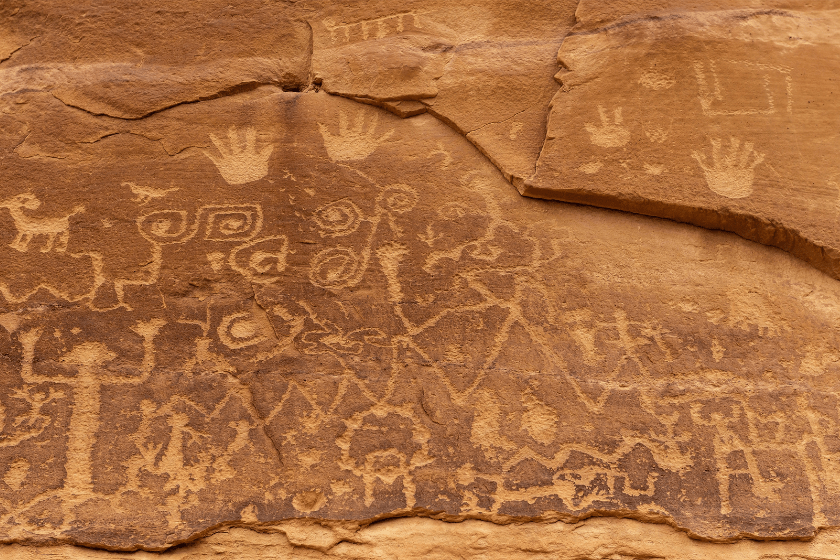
x: 239, y: 161
x: 353, y: 142
x: 731, y: 174
x: 608, y: 134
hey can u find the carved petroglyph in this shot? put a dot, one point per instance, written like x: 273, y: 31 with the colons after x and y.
x: 87, y: 359
x: 656, y: 134
x: 144, y: 194
x: 233, y: 223
x: 240, y: 330
x: 374, y: 448
x: 591, y: 167
x: 341, y: 267
x: 228, y: 222
x: 261, y: 261
x: 608, y: 134
x: 376, y: 28
x: 56, y: 230
x: 339, y: 345
x: 730, y: 174
x: 711, y: 94
x: 337, y: 267
x: 239, y: 161
x: 338, y: 218
x: 657, y: 80
x: 354, y: 141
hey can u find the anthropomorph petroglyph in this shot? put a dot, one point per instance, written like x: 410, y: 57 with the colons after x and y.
x: 88, y: 360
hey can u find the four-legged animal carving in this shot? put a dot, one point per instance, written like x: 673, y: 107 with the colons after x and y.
x: 28, y: 227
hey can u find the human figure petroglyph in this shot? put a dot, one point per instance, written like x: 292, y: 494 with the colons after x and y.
x: 87, y: 359
x: 731, y: 174
x: 384, y: 457
x: 185, y: 476
x: 57, y: 230
x: 608, y: 134
x: 239, y: 161
x: 354, y: 141
x: 32, y: 423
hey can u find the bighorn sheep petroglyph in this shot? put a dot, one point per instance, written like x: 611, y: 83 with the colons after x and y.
x: 28, y: 227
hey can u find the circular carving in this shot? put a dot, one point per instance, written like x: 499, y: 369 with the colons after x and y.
x: 398, y: 198
x: 338, y: 218
x: 336, y: 267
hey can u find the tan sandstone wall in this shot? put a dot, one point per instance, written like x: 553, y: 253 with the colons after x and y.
x: 488, y: 279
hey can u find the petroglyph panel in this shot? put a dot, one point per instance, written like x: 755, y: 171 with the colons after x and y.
x: 724, y: 119
x: 364, y: 319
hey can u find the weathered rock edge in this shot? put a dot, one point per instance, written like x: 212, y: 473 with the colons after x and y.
x: 409, y: 538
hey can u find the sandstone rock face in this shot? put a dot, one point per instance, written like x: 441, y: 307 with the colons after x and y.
x: 723, y: 119
x: 267, y: 266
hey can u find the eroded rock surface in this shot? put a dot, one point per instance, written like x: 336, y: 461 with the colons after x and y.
x: 426, y: 539
x: 286, y: 276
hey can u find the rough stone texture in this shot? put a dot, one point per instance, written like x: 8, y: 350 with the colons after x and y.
x: 427, y: 539
x: 265, y: 263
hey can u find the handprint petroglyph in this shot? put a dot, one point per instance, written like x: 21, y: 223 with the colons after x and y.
x: 730, y: 174
x: 353, y: 142
x: 608, y: 134
x: 57, y: 230
x: 240, y: 161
